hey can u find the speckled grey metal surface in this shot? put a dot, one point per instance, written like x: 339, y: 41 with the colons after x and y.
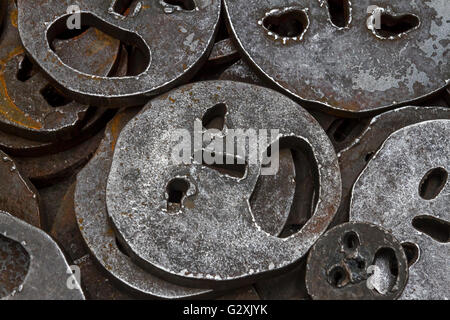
x: 48, y: 271
x: 404, y: 188
x: 214, y: 240
x: 356, y: 261
x: 346, y: 67
x: 171, y: 53
x: 336, y: 78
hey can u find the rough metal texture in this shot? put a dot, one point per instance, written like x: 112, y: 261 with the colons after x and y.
x: 223, y: 51
x: 22, y: 147
x: 24, y: 109
x: 48, y: 271
x: 338, y: 264
x: 354, y: 158
x: 346, y: 69
x: 47, y: 169
x: 214, y: 240
x: 92, y: 218
x: 17, y: 195
x: 14, y: 264
x: 173, y: 42
x: 287, y: 286
x: 96, y: 285
x: 241, y: 71
x: 387, y: 193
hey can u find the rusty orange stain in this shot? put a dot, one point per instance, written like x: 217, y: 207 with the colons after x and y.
x: 115, y: 129
x: 10, y: 110
x: 14, y: 17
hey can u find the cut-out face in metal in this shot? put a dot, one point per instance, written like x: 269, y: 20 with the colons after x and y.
x: 30, y: 106
x: 405, y: 189
x: 346, y: 56
x: 192, y: 221
x: 170, y: 39
x: 356, y: 261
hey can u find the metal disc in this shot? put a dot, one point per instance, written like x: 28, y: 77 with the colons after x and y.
x: 213, y: 240
x: 334, y: 56
x: 30, y: 106
x: 92, y: 218
x: 405, y: 189
x: 356, y: 261
x: 173, y: 42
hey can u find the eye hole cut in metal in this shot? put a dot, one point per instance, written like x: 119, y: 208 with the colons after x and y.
x: 384, y: 24
x: 433, y: 183
x: 180, y: 44
x: 370, y: 74
x: 356, y: 261
x: 436, y: 228
x: 286, y: 24
x: 412, y: 252
x: 355, y: 156
x: 219, y: 221
x: 97, y: 232
x: 387, y: 193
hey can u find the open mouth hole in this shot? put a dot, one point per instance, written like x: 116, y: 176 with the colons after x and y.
x: 387, y: 270
x: 124, y: 7
x: 284, y: 212
x: 139, y: 51
x: 214, y: 118
x: 436, y: 228
x: 411, y: 252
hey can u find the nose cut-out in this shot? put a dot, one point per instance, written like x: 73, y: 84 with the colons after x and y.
x: 187, y: 5
x: 214, y: 118
x: 287, y: 23
x: 432, y: 183
x: 436, y: 228
x: 228, y: 165
x: 14, y: 265
x: 340, y: 14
